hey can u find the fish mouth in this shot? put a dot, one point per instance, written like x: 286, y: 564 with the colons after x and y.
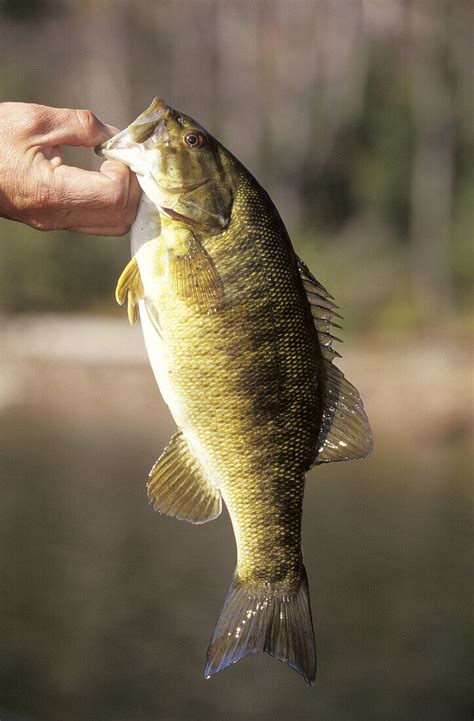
x: 121, y: 147
x: 129, y: 146
x: 117, y: 143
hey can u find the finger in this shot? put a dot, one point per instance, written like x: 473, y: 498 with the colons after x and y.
x: 117, y: 172
x: 85, y: 199
x: 109, y: 189
x: 99, y: 230
x: 65, y: 126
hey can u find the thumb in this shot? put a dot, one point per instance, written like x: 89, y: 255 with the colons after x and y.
x: 66, y: 126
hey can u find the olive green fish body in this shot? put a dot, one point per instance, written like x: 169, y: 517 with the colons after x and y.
x: 242, y: 382
x: 238, y: 335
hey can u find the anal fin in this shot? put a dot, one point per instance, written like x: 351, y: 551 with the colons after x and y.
x: 177, y: 485
x: 130, y: 287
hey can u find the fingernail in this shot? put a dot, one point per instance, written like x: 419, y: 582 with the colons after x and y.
x: 111, y: 129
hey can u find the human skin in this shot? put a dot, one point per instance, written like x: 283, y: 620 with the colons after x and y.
x: 37, y: 189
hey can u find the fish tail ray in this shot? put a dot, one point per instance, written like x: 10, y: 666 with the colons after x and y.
x: 268, y: 618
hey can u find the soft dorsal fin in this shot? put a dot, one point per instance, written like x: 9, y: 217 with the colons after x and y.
x: 345, y: 432
x: 177, y: 485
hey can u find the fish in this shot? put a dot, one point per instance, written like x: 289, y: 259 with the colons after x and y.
x: 239, y: 334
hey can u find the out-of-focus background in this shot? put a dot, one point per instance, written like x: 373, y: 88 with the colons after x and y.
x: 358, y: 118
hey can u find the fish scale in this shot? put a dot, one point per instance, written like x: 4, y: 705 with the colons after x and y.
x: 238, y: 333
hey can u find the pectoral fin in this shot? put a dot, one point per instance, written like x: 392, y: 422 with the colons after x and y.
x: 178, y: 487
x: 193, y: 274
x: 130, y: 286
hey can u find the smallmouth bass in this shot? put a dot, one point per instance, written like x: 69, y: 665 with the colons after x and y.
x: 239, y: 336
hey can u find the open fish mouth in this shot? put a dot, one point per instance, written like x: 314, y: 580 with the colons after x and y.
x: 123, y: 148
x: 147, y: 132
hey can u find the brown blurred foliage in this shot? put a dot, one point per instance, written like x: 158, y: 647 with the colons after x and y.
x: 357, y: 116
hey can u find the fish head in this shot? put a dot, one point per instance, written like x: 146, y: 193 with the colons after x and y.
x: 183, y: 170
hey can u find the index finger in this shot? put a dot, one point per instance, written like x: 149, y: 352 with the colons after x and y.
x: 70, y: 126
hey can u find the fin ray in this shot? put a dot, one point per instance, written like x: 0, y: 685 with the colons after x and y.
x: 130, y: 287
x: 194, y: 276
x: 345, y: 432
x: 177, y: 485
x: 267, y: 618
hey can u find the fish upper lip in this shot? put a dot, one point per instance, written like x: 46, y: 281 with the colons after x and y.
x: 119, y: 141
x: 99, y: 149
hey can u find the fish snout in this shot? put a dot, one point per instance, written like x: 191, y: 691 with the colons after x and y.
x: 147, y: 132
x: 124, y: 148
x: 117, y: 143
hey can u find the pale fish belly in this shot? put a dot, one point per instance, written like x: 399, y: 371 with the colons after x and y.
x: 158, y: 356
x: 148, y: 257
x: 163, y: 359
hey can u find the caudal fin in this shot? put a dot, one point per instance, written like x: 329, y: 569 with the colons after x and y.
x: 264, y: 617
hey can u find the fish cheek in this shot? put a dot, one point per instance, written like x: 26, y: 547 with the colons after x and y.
x: 140, y: 132
x: 209, y: 205
x: 168, y: 168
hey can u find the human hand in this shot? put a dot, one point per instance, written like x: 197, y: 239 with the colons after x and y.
x: 37, y: 189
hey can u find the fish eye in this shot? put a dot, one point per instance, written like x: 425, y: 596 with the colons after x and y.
x: 194, y: 140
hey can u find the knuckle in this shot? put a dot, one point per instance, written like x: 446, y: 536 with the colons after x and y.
x: 43, y: 212
x: 31, y: 203
x: 87, y: 120
x: 40, y: 199
x: 24, y: 118
x: 42, y: 224
x: 35, y: 114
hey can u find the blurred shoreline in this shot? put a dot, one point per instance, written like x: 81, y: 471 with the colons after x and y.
x: 417, y: 392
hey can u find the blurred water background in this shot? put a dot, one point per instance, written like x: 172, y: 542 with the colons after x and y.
x: 358, y: 118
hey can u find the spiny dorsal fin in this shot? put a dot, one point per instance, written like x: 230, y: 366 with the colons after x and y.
x: 345, y: 432
x: 130, y: 286
x: 323, y: 310
x: 177, y: 485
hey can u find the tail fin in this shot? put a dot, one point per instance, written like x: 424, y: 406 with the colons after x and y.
x: 264, y: 617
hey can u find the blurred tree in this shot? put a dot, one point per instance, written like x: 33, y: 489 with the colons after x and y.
x: 357, y: 117
x: 28, y: 10
x: 433, y: 162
